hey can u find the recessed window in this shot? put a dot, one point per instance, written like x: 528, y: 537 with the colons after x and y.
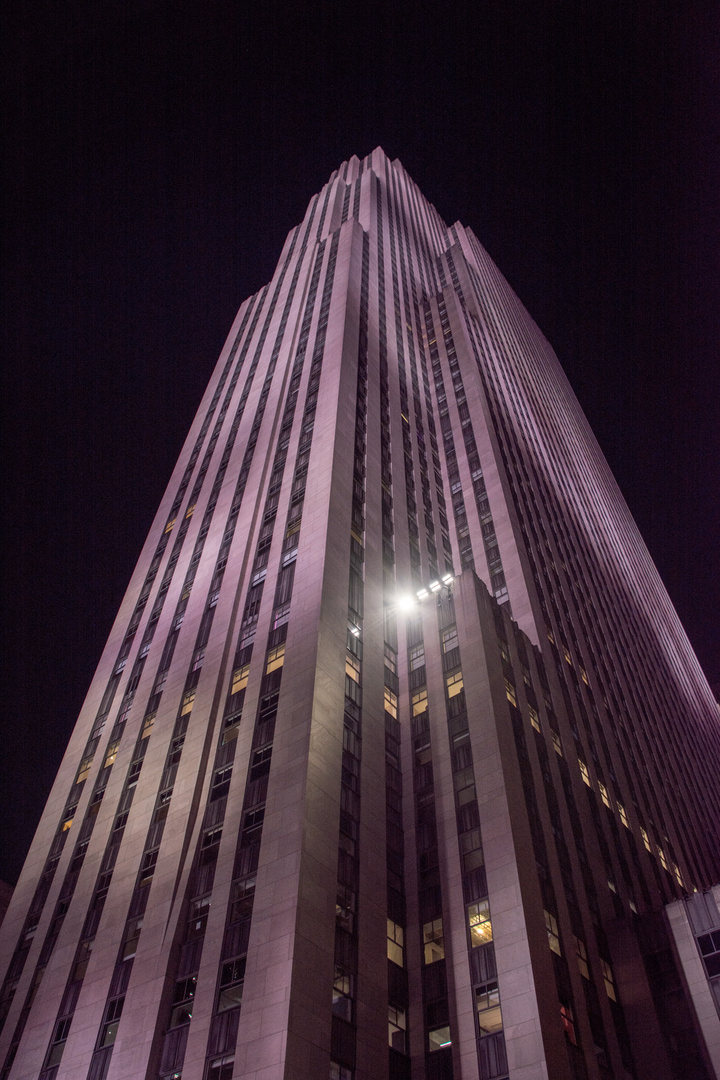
x: 108, y: 1033
x: 395, y: 943
x: 419, y: 701
x: 275, y: 658
x: 487, y: 1004
x: 132, y: 936
x: 391, y: 702
x: 623, y: 815
x: 342, y: 994
x: 390, y: 659
x: 450, y: 639
x: 454, y: 683
x: 221, y: 1068
x: 581, y: 953
x: 242, y: 894
x: 584, y: 772
x: 84, y: 769
x: 433, y: 941
x: 352, y: 667
x: 646, y: 838
x: 552, y: 932
x: 568, y: 1023
x: 439, y: 1038
x: 604, y: 794
x: 534, y: 718
x: 240, y: 678
x: 397, y: 1029
x: 147, y: 725
x: 111, y: 753
x: 510, y: 692
x: 608, y: 979
x: 417, y: 657
x: 187, y: 702
x: 232, y: 974
x: 479, y: 923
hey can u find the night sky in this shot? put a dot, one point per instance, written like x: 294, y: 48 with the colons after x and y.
x: 157, y: 155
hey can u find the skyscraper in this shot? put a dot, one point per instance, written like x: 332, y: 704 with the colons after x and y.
x: 397, y: 749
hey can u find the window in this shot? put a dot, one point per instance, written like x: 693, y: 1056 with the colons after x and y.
x: 84, y: 769
x: 487, y: 1004
x: 337, y: 1072
x: 417, y: 657
x: 395, y: 943
x: 557, y: 745
x: 663, y: 860
x: 187, y: 702
x: 552, y: 932
x: 608, y: 979
x: 604, y: 794
x: 132, y: 936
x: 67, y: 823
x: 221, y: 783
x: 275, y: 658
x: 221, y: 1068
x: 111, y: 753
x: 581, y: 953
x: 390, y: 659
x: 419, y: 701
x: 584, y: 772
x: 212, y: 837
x: 397, y: 1029
x: 113, y: 1012
x: 439, y: 1038
x: 352, y: 667
x: 646, y: 838
x: 83, y: 958
x: 534, y: 718
x: 199, y: 910
x: 510, y: 692
x: 232, y: 974
x: 568, y: 1023
x: 479, y: 923
x: 282, y: 614
x: 147, y: 867
x: 623, y: 815
x: 390, y: 702
x: 709, y: 946
x: 433, y: 941
x: 450, y: 639
x: 147, y: 725
x: 241, y: 898
x: 454, y: 683
x: 342, y: 994
x: 57, y: 1046
x: 240, y: 678
x: 183, y: 1001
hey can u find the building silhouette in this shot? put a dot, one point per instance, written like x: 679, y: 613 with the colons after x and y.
x: 397, y: 750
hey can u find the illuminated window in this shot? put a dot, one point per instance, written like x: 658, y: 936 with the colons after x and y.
x: 395, y: 943
x: 552, y: 932
x: 352, y: 667
x: 583, y: 675
x: 190, y: 511
x: 240, y: 678
x: 479, y: 923
x: 187, y: 702
x: 397, y: 1029
x: 678, y: 875
x: 242, y: 894
x: 581, y: 953
x: 534, y: 718
x: 663, y: 860
x: 67, y: 823
x: 433, y: 941
x: 557, y: 745
x: 439, y: 1038
x: 275, y: 658
x: 231, y: 984
x: 169, y: 525
x: 604, y: 794
x: 417, y: 657
x: 454, y: 683
x: 111, y: 753
x: 84, y: 769
x: 419, y: 701
x: 390, y: 700
x: 282, y: 614
x: 623, y: 815
x: 450, y: 639
x: 510, y: 692
x: 568, y: 1023
x: 487, y: 1003
x: 147, y: 725
x: 584, y: 772
x: 608, y: 979
x: 342, y: 995
x: 646, y: 838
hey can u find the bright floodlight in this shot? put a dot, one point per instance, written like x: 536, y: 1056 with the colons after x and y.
x: 435, y: 586
x: 422, y: 593
x: 448, y: 579
x: 405, y: 603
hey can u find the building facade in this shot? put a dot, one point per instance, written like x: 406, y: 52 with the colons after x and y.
x: 397, y: 749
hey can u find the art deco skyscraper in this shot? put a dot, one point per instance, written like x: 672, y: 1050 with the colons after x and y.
x: 397, y: 749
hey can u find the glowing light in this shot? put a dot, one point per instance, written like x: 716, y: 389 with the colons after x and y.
x: 448, y: 579
x: 405, y: 603
x: 435, y: 586
x: 422, y: 593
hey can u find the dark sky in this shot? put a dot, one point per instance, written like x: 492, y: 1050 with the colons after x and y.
x: 157, y: 155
